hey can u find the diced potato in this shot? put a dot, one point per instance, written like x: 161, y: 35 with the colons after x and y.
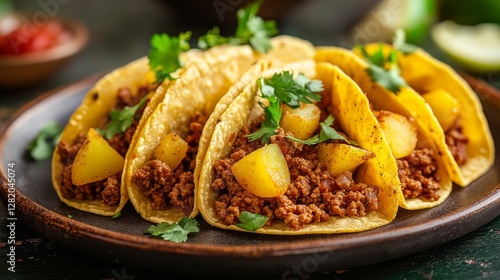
x: 96, y: 160
x: 342, y: 157
x: 302, y: 121
x: 444, y: 106
x: 172, y: 150
x: 400, y: 132
x: 263, y: 172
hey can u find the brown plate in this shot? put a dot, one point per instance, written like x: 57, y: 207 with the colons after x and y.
x: 229, y: 253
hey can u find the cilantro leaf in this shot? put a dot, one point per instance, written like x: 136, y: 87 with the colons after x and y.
x: 387, y: 77
x: 377, y: 58
x: 42, y: 147
x: 175, y: 232
x: 121, y: 119
x: 164, y: 56
x: 283, y: 88
x: 189, y: 224
x: 117, y: 215
x: 270, y: 125
x: 251, y: 29
x: 251, y: 221
x: 212, y: 38
x: 292, y: 91
x: 327, y: 133
x: 399, y: 43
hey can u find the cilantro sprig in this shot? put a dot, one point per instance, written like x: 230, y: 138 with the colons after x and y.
x: 399, y: 43
x: 212, y: 39
x: 175, y: 232
x: 164, y: 56
x: 251, y: 221
x: 384, y: 70
x: 327, y: 133
x: 282, y: 88
x: 290, y: 91
x: 121, y: 120
x: 251, y: 29
x: 42, y: 147
x: 270, y: 125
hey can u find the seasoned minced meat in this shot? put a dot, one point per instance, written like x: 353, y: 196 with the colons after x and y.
x: 313, y: 196
x: 107, y: 190
x: 166, y: 187
x: 121, y: 141
x: 457, y: 141
x: 417, y: 173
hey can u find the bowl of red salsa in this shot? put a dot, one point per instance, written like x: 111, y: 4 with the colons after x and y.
x: 32, y: 48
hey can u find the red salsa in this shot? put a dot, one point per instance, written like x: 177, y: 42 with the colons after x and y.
x: 20, y: 37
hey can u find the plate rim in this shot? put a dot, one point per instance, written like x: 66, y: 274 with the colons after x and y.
x: 81, y: 229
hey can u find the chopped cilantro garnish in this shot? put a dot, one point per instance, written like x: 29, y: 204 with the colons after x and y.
x: 121, y: 119
x: 251, y: 29
x: 290, y: 91
x: 388, y: 77
x: 270, y: 125
x: 211, y: 39
x: 164, y: 56
x: 117, y: 215
x: 175, y: 232
x: 400, y: 44
x: 43, y: 145
x: 327, y: 133
x: 70, y: 216
x: 251, y: 221
x: 283, y: 88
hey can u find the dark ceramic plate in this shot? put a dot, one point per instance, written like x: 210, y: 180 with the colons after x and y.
x: 226, y: 252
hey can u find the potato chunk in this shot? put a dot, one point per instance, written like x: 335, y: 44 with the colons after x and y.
x: 342, y: 157
x: 444, y: 106
x: 96, y: 160
x: 400, y: 132
x: 302, y: 121
x: 263, y: 172
x: 172, y: 150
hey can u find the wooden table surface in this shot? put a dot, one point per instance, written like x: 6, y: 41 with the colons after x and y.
x: 121, y: 35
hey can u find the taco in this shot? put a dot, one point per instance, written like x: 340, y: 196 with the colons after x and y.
x: 422, y: 173
x: 466, y: 144
x: 94, y: 185
x: 161, y: 175
x: 287, y: 186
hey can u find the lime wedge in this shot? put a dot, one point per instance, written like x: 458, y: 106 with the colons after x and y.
x: 474, y: 48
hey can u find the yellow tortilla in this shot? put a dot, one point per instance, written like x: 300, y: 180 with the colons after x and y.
x: 382, y: 99
x: 200, y: 88
x: 90, y: 114
x: 93, y: 112
x: 425, y: 73
x: 357, y: 119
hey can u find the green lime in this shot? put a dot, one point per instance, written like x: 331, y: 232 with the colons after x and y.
x: 415, y: 17
x: 469, y: 12
x: 419, y: 18
x: 474, y: 48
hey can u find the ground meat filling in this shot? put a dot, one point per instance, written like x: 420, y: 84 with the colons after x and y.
x: 313, y: 196
x: 107, y: 190
x: 166, y: 187
x: 417, y: 173
x: 457, y: 141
